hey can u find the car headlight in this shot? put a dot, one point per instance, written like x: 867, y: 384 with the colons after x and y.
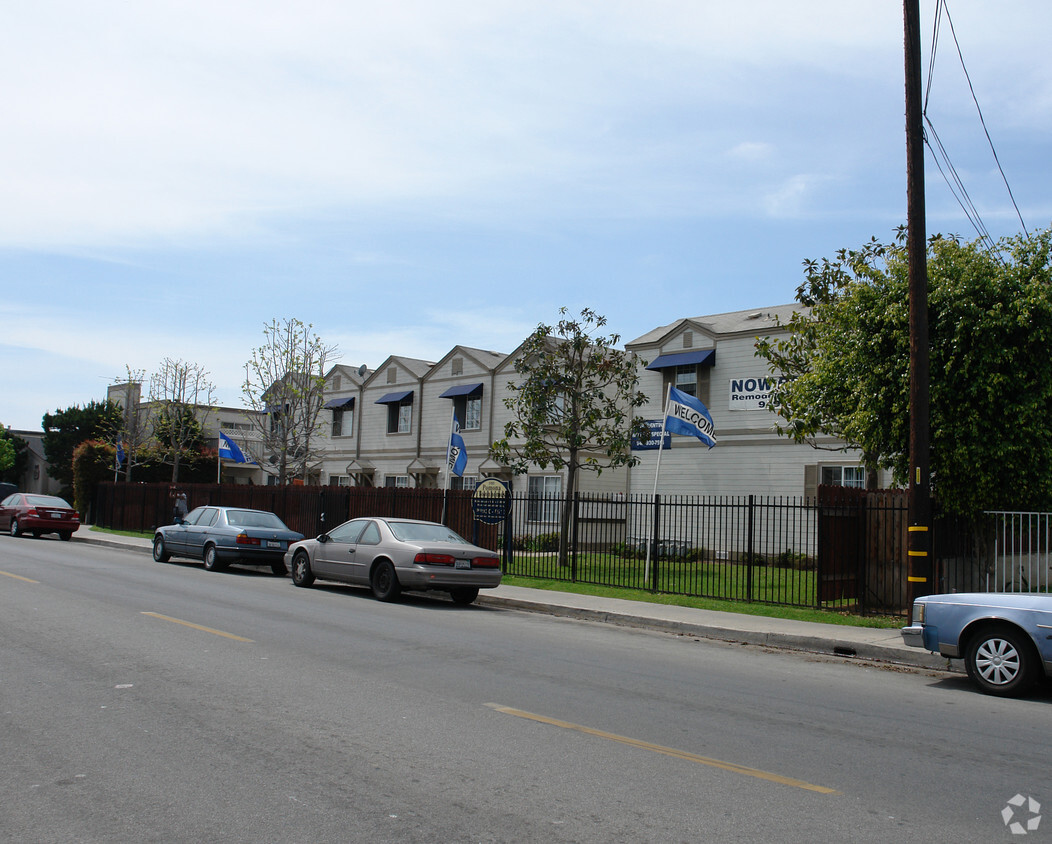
x: 918, y: 612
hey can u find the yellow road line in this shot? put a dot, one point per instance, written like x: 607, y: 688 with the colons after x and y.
x: 18, y: 577
x: 667, y: 751
x: 197, y: 627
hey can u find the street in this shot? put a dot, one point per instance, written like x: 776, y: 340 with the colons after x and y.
x: 160, y: 702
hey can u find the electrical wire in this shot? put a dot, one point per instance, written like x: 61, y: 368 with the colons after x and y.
x: 938, y: 150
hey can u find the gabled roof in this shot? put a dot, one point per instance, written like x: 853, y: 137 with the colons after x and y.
x: 416, y: 367
x: 752, y: 321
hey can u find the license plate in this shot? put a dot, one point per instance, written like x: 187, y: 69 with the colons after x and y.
x: 273, y: 543
x: 462, y: 564
x: 55, y: 515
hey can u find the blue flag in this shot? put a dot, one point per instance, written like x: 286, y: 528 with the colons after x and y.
x: 686, y: 415
x: 229, y: 451
x: 457, y: 456
x: 120, y: 453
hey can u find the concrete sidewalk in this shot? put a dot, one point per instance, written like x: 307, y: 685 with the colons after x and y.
x: 867, y: 643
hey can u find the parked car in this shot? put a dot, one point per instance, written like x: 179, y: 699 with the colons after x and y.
x: 390, y: 555
x: 27, y: 512
x: 223, y: 535
x: 1005, y: 639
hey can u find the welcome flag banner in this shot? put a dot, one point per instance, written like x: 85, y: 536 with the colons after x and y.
x: 687, y: 416
x: 229, y: 450
x: 457, y: 456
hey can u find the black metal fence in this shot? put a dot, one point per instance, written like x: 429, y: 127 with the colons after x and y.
x: 844, y: 550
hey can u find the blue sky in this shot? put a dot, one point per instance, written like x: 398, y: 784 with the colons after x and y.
x: 413, y: 175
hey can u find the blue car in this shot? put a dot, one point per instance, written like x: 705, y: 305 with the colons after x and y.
x: 223, y: 535
x: 1005, y: 639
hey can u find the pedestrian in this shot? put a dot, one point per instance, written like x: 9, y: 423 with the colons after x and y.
x: 180, y: 509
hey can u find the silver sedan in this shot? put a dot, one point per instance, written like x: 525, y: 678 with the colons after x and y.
x: 390, y: 555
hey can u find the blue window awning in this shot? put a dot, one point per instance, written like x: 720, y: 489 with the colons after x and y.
x: 339, y: 404
x: 462, y: 390
x: 700, y: 357
x: 395, y: 398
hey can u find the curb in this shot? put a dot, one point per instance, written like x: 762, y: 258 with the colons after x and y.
x: 781, y: 641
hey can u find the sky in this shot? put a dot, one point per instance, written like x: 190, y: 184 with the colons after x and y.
x: 410, y: 176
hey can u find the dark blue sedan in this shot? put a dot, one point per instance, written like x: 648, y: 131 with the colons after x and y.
x: 223, y: 535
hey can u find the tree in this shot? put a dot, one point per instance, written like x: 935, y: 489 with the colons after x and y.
x: 990, y: 327
x: 136, y: 430
x: 65, y: 429
x: 179, y: 392
x: 573, y: 407
x: 285, y: 383
x: 92, y: 464
x: 8, y: 452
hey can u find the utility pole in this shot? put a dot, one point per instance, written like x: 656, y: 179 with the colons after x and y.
x: 920, y: 563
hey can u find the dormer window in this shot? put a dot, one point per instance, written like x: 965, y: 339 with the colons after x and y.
x: 688, y: 339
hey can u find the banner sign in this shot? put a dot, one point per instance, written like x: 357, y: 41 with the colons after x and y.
x: 753, y: 393
x: 655, y: 437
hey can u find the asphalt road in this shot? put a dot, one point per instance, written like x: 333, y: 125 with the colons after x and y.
x: 150, y: 702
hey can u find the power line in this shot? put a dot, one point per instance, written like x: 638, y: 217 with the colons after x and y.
x: 939, y: 152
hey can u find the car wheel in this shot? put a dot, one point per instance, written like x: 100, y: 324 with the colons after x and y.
x: 464, y: 595
x: 1000, y: 661
x: 212, y: 561
x: 65, y: 535
x: 159, y: 554
x: 384, y: 582
x: 302, y: 575
x: 15, y: 531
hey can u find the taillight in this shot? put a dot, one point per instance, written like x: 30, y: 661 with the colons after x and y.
x: 434, y: 559
x: 32, y: 513
x: 485, y: 563
x: 245, y: 539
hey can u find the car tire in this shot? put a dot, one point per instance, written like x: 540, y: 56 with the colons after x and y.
x: 211, y: 558
x: 160, y: 555
x: 302, y: 574
x: 15, y: 530
x: 65, y: 535
x: 384, y: 582
x: 464, y: 595
x: 1000, y: 661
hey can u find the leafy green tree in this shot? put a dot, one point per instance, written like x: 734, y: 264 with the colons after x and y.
x: 285, y: 384
x: 92, y: 464
x: 573, y: 405
x: 8, y: 452
x: 990, y: 331
x: 65, y: 429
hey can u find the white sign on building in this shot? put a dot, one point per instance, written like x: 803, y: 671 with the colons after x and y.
x: 753, y: 393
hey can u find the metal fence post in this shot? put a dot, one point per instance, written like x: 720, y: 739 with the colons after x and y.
x: 574, y: 515
x: 654, y: 544
x: 750, y: 550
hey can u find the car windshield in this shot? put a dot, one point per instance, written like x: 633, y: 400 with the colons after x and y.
x: 254, y: 519
x: 417, y: 531
x: 46, y: 501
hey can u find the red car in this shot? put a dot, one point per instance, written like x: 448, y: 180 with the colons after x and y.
x: 26, y: 512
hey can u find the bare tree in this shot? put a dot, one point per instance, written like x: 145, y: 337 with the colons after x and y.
x: 135, y: 431
x: 181, y: 397
x: 285, y: 383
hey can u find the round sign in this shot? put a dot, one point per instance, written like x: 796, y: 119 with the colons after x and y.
x: 489, y: 502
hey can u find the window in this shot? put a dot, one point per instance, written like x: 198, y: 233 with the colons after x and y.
x: 392, y: 375
x: 467, y: 482
x: 544, y: 498
x: 335, y: 383
x: 853, y: 476
x: 687, y: 379
x: 337, y: 423
x: 688, y: 339
x: 400, y: 481
x: 456, y: 366
x: 370, y: 536
x: 469, y: 412
x: 400, y: 416
x: 339, y: 480
x: 342, y: 422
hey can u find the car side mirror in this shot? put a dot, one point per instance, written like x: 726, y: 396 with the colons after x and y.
x: 323, y: 538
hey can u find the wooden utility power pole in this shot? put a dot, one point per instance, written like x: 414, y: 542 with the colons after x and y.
x: 920, y: 563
